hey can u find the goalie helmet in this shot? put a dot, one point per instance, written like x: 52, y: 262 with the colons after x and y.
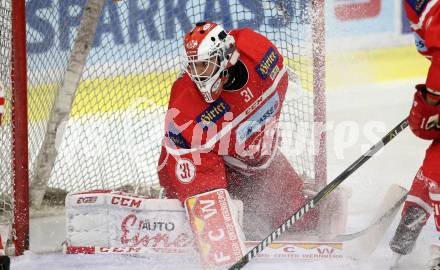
x: 209, y: 51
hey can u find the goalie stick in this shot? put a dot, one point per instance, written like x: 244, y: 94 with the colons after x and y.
x: 310, y: 204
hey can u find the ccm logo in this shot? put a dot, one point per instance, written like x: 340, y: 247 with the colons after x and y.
x: 126, y: 202
x: 254, y: 105
x: 91, y: 199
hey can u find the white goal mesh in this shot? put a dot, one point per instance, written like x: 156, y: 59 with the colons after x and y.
x: 112, y: 137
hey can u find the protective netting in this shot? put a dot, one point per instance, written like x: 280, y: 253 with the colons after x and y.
x: 113, y: 135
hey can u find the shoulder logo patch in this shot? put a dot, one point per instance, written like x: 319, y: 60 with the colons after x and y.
x: 267, y: 64
x: 213, y: 113
x: 418, y: 5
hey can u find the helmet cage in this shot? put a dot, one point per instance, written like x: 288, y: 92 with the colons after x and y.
x: 202, y: 68
x: 205, y: 65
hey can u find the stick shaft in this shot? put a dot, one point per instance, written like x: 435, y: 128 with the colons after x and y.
x: 310, y: 204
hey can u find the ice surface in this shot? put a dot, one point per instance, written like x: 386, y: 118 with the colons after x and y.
x: 357, y: 118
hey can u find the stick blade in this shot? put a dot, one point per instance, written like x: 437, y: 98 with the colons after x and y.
x: 365, y: 242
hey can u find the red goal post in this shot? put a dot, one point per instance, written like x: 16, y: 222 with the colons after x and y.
x: 108, y: 133
x: 14, y: 192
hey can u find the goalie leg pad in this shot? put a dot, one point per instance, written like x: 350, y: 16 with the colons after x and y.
x: 105, y: 220
x: 214, y: 222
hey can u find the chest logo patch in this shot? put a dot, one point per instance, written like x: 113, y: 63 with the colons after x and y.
x: 213, y: 113
x: 257, y: 120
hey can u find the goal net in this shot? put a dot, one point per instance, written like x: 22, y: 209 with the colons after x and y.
x: 105, y: 131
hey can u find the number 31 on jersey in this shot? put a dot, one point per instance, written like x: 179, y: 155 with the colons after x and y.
x: 247, y: 94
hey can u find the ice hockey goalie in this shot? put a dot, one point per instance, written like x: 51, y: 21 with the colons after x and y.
x: 220, y: 165
x: 221, y: 130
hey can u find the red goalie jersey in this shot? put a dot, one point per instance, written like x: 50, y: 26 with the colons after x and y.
x: 424, y: 17
x: 238, y: 129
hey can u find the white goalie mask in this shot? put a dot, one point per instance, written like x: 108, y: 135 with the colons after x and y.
x: 209, y: 51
